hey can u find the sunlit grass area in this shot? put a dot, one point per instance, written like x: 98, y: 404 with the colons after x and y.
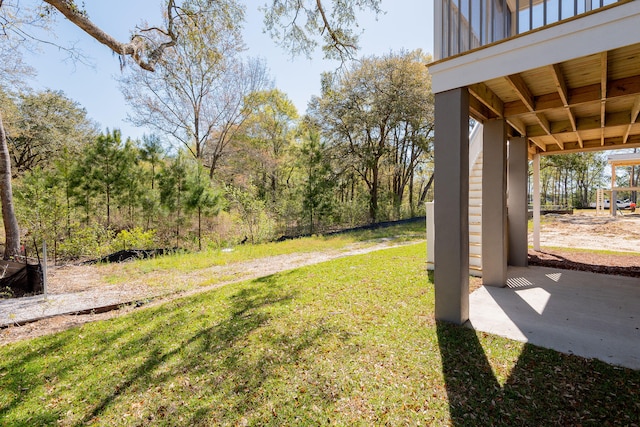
x: 189, y: 262
x: 351, y: 342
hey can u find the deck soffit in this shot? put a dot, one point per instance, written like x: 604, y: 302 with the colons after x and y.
x: 581, y: 104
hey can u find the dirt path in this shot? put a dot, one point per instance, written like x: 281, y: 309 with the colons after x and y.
x: 80, y: 283
x: 585, y: 230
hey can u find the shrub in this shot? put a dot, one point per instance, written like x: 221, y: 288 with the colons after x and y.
x: 136, y: 238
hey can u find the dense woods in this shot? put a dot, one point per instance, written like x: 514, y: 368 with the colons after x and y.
x: 260, y: 172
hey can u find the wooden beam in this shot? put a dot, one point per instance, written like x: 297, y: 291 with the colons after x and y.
x: 603, y: 119
x: 540, y: 144
x: 629, y: 86
x: 488, y: 98
x: 563, y: 91
x: 604, y: 73
x: 522, y: 90
x: 478, y: 110
x: 572, y: 119
x: 547, y: 128
x: 561, y: 85
x: 574, y: 126
x: 544, y: 123
x: 518, y: 125
x: 582, y: 124
x: 635, y: 110
x: 624, y: 87
x: 595, y: 145
x: 628, y: 188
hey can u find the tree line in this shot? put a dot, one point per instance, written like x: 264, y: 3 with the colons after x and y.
x: 571, y: 180
x: 260, y: 172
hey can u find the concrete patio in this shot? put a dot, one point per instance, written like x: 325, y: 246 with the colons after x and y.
x: 574, y: 312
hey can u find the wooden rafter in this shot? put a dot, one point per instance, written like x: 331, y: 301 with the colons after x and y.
x: 629, y: 86
x: 520, y: 86
x: 635, y: 110
x: 604, y: 72
x: 563, y: 91
x: 478, y: 110
x: 518, y: 125
x: 574, y: 125
x: 595, y: 145
x: 539, y: 143
x: 522, y: 90
x: 565, y: 127
x: 544, y: 123
x: 486, y: 96
x: 581, y: 104
x: 561, y: 85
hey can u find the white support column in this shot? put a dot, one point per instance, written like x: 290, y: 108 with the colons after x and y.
x: 613, y: 206
x: 431, y: 227
x: 536, y: 202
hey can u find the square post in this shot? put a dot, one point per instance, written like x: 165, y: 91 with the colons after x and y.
x: 494, y: 203
x: 451, y: 213
x: 517, y: 207
x: 536, y: 202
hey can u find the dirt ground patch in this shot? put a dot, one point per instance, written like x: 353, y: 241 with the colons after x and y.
x: 564, y: 238
x: 585, y: 230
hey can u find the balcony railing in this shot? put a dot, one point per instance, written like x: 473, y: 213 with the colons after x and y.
x: 462, y: 25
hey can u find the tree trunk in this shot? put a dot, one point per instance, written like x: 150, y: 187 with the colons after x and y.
x: 412, y: 208
x: 68, y: 213
x: 199, y: 228
x: 423, y: 195
x: 11, y: 229
x: 373, y: 201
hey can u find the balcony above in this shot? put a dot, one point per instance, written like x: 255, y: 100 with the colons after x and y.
x: 568, y: 87
x: 463, y: 25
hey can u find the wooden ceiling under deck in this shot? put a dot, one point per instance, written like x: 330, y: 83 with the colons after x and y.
x: 585, y: 104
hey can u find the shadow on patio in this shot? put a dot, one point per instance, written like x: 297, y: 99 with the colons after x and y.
x: 574, y: 312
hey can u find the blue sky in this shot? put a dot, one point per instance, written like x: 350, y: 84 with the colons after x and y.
x: 407, y: 24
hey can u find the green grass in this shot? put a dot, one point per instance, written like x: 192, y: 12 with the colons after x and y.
x: 188, y: 262
x: 350, y: 342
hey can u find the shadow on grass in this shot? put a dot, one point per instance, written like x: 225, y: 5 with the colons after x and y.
x: 543, y: 388
x: 404, y: 229
x: 185, y: 340
x: 249, y: 310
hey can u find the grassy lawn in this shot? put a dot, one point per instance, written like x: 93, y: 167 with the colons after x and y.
x: 191, y: 262
x: 351, y: 342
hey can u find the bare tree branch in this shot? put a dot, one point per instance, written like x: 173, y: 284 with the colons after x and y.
x: 338, y: 44
x: 135, y: 48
